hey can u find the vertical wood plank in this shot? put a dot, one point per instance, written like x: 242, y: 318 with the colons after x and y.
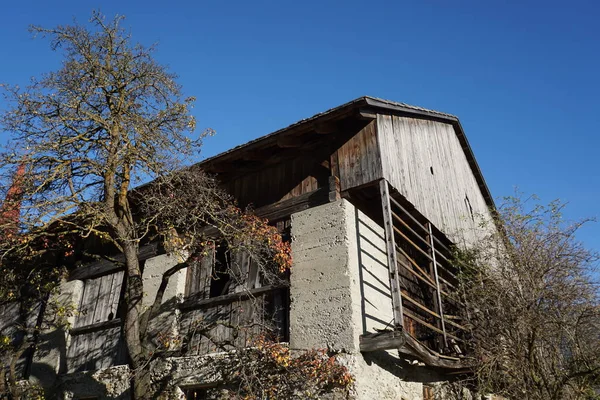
x: 425, y: 162
x: 391, y: 254
x: 88, y: 302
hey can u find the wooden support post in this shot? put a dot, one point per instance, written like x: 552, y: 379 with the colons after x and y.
x: 334, y: 189
x: 437, y: 286
x: 391, y: 254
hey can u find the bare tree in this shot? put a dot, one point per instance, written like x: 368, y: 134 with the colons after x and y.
x: 111, y: 118
x: 533, y: 305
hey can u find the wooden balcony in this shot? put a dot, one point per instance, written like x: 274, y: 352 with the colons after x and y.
x: 424, y: 287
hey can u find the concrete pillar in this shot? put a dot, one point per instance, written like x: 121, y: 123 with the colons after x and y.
x: 152, y: 278
x: 339, y: 287
x: 325, y: 299
x: 165, y: 324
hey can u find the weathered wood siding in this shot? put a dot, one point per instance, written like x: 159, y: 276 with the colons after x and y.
x: 99, y: 347
x: 96, y: 349
x: 358, y: 160
x: 235, y: 323
x: 285, y: 180
x: 424, y: 161
x: 222, y: 322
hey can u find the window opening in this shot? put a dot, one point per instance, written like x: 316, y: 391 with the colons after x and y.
x: 200, y: 393
x: 221, y: 278
x: 469, y: 207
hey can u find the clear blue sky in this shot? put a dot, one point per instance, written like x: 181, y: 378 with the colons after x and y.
x: 523, y: 76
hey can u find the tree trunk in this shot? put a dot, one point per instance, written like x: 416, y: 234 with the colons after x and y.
x: 133, y: 302
x: 134, y: 292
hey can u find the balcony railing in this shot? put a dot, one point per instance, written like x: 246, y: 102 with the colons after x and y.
x: 424, y: 286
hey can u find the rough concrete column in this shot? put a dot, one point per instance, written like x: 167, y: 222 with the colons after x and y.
x: 339, y: 287
x: 325, y: 298
x: 166, y: 322
x: 152, y: 278
x: 50, y: 357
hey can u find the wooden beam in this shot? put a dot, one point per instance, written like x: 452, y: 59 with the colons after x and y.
x: 428, y: 325
x: 96, y: 327
x: 288, y: 207
x: 289, y: 142
x: 432, y: 358
x: 103, y: 267
x: 391, y: 253
x: 255, y: 155
x: 334, y: 189
x: 437, y: 284
x: 218, y: 167
x: 366, y: 114
x: 325, y: 128
x: 385, y: 340
x: 194, y: 302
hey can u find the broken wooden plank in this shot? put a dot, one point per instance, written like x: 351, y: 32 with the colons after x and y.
x: 385, y: 340
x: 95, y: 327
x: 431, y: 358
x: 409, y: 346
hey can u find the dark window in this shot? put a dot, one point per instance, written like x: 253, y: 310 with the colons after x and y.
x: 220, y: 279
x: 201, y: 393
x: 469, y: 207
x: 221, y: 272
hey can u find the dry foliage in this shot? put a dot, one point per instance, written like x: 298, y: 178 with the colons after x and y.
x: 533, y: 305
x: 268, y: 370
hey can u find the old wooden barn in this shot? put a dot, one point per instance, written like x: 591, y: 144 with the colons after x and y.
x: 410, y: 170
x: 373, y: 195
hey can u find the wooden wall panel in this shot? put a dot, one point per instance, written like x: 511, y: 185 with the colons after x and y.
x: 283, y: 181
x: 96, y: 349
x: 359, y: 159
x: 425, y: 162
x: 100, y: 299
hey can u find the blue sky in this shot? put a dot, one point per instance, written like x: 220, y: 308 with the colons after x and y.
x: 523, y: 76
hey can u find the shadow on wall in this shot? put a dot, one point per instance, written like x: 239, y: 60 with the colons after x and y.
x: 51, y: 356
x: 108, y: 384
x: 376, y: 298
x: 403, y: 369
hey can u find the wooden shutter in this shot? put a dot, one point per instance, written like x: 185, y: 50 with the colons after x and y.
x: 199, y: 275
x: 100, y: 300
x: 254, y: 278
x: 102, y: 346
